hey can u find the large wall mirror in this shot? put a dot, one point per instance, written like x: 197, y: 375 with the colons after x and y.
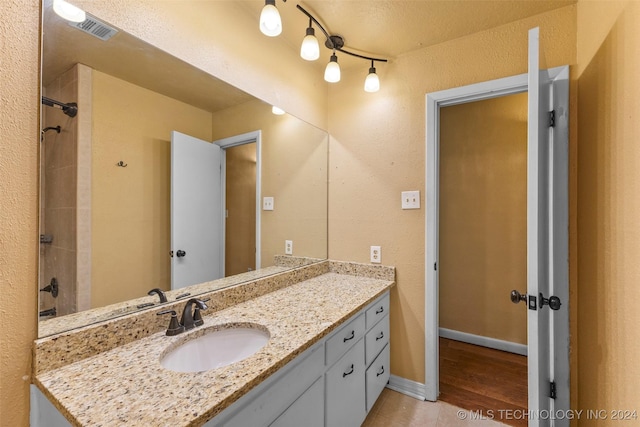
x: 111, y: 103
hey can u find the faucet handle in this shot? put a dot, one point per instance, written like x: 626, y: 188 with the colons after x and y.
x: 197, y: 316
x: 174, y: 326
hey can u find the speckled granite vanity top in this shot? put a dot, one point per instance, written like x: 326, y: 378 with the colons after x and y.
x: 127, y: 386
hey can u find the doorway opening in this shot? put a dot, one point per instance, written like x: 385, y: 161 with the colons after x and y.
x: 241, y: 187
x: 547, y: 368
x: 483, y: 255
x: 240, y: 209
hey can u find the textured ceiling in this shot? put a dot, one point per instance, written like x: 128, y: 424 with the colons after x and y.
x: 389, y: 28
x: 379, y: 28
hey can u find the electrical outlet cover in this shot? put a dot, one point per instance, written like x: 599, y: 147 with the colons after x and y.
x: 288, y: 247
x: 376, y: 255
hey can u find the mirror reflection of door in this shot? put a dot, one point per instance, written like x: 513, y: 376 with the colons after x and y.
x: 483, y: 254
x: 240, y: 209
x: 196, y: 211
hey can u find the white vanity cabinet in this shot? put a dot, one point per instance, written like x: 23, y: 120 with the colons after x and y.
x: 333, y: 384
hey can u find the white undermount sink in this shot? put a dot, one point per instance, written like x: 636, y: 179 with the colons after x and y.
x: 219, y: 347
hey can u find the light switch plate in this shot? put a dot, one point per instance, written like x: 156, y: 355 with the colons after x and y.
x: 411, y: 200
x: 267, y: 203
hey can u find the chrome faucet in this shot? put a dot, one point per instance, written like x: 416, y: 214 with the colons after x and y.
x: 189, y: 320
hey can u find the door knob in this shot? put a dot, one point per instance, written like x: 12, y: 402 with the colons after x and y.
x: 553, y: 302
x: 180, y: 253
x: 516, y: 297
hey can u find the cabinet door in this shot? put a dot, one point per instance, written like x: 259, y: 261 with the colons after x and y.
x: 307, y: 411
x: 345, y: 390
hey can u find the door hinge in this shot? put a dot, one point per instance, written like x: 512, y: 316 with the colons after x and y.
x: 552, y: 118
x: 435, y: 266
x: 552, y: 390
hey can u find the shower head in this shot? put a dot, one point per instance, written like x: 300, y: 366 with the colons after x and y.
x: 70, y: 108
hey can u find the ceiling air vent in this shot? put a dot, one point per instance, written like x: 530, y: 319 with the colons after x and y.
x: 95, y: 27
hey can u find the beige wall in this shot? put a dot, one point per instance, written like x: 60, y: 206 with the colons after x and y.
x: 483, y: 217
x: 20, y: 133
x: 609, y: 206
x: 294, y: 172
x: 377, y: 151
x: 130, y: 206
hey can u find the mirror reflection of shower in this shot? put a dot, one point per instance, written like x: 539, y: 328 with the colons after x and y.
x: 47, y: 129
x: 59, y: 208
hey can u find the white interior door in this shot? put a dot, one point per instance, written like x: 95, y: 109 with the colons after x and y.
x: 196, y: 211
x: 547, y: 242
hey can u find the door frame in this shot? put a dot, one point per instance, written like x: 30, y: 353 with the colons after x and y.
x: 434, y: 101
x: 224, y: 144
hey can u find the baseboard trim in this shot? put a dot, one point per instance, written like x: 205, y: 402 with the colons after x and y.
x: 497, y: 344
x: 408, y: 387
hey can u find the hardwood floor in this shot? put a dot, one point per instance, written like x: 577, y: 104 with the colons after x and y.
x: 483, y: 379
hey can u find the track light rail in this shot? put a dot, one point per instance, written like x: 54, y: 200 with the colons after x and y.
x: 336, y: 42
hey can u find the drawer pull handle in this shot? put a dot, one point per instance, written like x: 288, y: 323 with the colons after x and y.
x: 381, y: 372
x: 380, y: 310
x: 379, y: 337
x: 353, y: 334
x: 348, y: 373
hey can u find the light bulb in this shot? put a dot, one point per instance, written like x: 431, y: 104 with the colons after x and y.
x: 277, y: 111
x: 372, y: 82
x: 332, y: 72
x: 310, y: 49
x: 68, y: 11
x: 270, y: 22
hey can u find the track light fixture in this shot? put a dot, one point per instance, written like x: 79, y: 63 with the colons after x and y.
x: 335, y: 43
x: 68, y: 11
x: 270, y: 22
x: 332, y: 72
x: 310, y: 49
x: 372, y: 82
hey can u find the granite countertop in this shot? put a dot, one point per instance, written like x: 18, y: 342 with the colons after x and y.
x: 127, y: 386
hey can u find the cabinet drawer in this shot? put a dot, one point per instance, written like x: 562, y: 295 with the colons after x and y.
x: 344, y: 339
x: 345, y: 383
x: 307, y: 411
x: 378, y: 310
x: 377, y: 377
x: 376, y: 339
